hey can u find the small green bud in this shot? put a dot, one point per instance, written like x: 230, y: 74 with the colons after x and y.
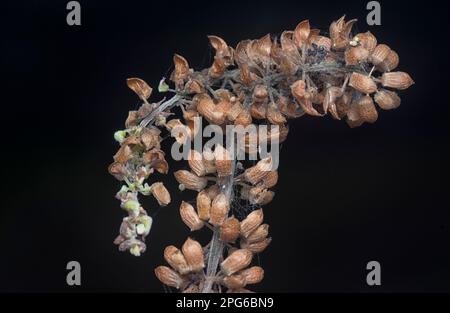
x: 131, y: 206
x: 163, y: 87
x: 135, y: 250
x: 120, y: 135
x: 140, y: 229
x: 145, y: 190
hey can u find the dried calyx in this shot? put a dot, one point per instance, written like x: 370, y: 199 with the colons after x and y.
x: 265, y: 81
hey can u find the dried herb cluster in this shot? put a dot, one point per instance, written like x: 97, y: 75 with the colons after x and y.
x: 265, y: 81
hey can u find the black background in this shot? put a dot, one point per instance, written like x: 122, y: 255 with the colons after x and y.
x: 345, y: 196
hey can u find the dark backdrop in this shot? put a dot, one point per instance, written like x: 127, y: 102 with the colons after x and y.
x: 345, y: 196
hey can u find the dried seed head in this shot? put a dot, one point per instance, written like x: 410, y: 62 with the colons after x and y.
x: 256, y: 173
x: 387, y: 100
x: 223, y: 161
x: 190, y: 217
x: 160, y: 193
x: 203, y: 205
x: 169, y: 277
x: 391, y: 62
x: 379, y: 54
x: 252, y: 275
x: 256, y: 247
x: 140, y: 87
x: 362, y: 83
x: 196, y: 164
x: 193, y: 253
x: 258, y: 234
x: 251, y: 222
x: 236, y: 261
x: 176, y: 259
x: 367, y: 40
x: 230, y: 230
x: 190, y: 181
x: 397, y: 80
x: 219, y: 210
x: 234, y: 281
x: 355, y: 55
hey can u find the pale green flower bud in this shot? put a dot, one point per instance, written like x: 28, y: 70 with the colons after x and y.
x: 120, y: 135
x: 135, y: 250
x: 163, y: 87
x: 132, y: 206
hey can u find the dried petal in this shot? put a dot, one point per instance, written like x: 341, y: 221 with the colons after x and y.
x: 140, y: 87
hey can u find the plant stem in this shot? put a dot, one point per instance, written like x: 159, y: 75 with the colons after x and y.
x: 216, y: 245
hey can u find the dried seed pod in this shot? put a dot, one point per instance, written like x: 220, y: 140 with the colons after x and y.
x: 218, y: 68
x: 190, y: 217
x: 234, y: 281
x: 230, y: 229
x: 224, y: 166
x: 397, y: 80
x: 117, y: 170
x: 332, y: 94
x: 390, y: 62
x: 222, y: 49
x: 387, y: 100
x: 256, y: 247
x: 244, y: 118
x: 260, y: 196
x: 150, y: 137
x: 251, y: 222
x: 320, y: 41
x: 258, y: 110
x: 176, y: 259
x: 123, y: 155
x: 367, y: 110
x: 181, y: 72
x: 270, y: 180
x: 353, y: 118
x: 340, y: 33
x: 219, y: 210
x: 193, y: 288
x: 203, y: 205
x: 194, y: 86
x: 169, y: 277
x: 367, y: 40
x: 140, y: 87
x: 190, y: 181
x: 207, y: 109
x: 193, y: 253
x: 260, y: 93
x: 256, y: 173
x: 196, y: 163
x: 252, y: 275
x: 379, y: 54
x: 274, y: 115
x: 213, y: 191
x: 209, y: 161
x: 298, y: 89
x: 160, y: 193
x: 235, y: 110
x: 236, y: 261
x: 301, y: 33
x: 355, y: 55
x: 132, y: 119
x: 258, y: 234
x: 362, y: 83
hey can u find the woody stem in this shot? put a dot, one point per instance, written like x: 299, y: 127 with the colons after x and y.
x: 216, y: 246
